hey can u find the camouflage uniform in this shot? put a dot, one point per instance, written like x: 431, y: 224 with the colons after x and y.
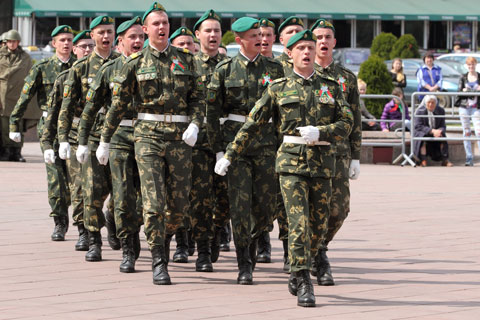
x: 286, y: 62
x: 40, y: 81
x: 125, y: 178
x: 346, y: 149
x: 205, y: 183
x: 97, y: 182
x: 163, y: 85
x: 49, y: 138
x: 235, y: 86
x: 305, y: 170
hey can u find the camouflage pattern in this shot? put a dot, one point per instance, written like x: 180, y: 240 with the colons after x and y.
x: 40, y: 82
x: 347, y: 149
x: 160, y: 83
x: 286, y: 62
x: 123, y: 167
x: 96, y: 181
x: 236, y: 85
x: 48, y: 140
x: 202, y: 195
x: 305, y: 171
x: 221, y: 210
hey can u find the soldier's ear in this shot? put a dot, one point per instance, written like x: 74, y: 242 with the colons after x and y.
x: 289, y: 53
x: 197, y: 33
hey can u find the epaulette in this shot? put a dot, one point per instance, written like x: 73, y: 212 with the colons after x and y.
x: 221, y: 63
x: 134, y: 56
x: 80, y: 60
x: 347, y: 70
x: 274, y: 61
x: 108, y: 63
x: 43, y: 61
x: 278, y: 80
x: 186, y: 50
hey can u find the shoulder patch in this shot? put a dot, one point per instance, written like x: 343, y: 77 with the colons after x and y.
x: 223, y: 62
x: 186, y: 50
x: 135, y: 55
x: 283, y: 79
x: 288, y: 93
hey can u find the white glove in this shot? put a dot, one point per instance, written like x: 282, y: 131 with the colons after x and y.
x: 103, y: 152
x: 82, y: 154
x: 15, y: 136
x: 354, y: 171
x: 190, y: 135
x: 309, y: 133
x: 64, y: 150
x: 221, y: 167
x: 219, y: 155
x: 49, y: 156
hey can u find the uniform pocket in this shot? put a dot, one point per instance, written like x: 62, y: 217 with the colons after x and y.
x: 235, y: 92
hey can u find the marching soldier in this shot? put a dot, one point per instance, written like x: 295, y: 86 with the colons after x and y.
x: 169, y: 100
x: 309, y: 115
x: 235, y: 86
x: 183, y: 38
x: 40, y: 82
x: 291, y: 26
x: 125, y: 178
x: 82, y: 46
x: 96, y: 179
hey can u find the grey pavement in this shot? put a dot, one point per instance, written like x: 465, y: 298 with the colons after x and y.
x: 409, y: 250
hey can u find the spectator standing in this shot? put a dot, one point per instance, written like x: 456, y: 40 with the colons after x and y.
x: 366, y: 125
x: 398, y: 77
x: 393, y: 111
x: 429, y: 76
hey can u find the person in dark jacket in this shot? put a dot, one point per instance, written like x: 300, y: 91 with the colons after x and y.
x: 399, y: 79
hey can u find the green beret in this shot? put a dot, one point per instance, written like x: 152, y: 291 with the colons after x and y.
x: 302, y: 35
x: 267, y: 23
x: 322, y: 23
x: 291, y: 21
x: 145, y: 44
x: 182, y: 31
x: 244, y: 24
x: 85, y: 34
x: 61, y: 29
x: 127, y: 24
x: 100, y: 20
x: 154, y: 7
x: 209, y: 14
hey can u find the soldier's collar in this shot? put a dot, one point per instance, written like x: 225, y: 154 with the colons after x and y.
x: 158, y: 51
x: 245, y: 57
x: 98, y: 54
x: 69, y: 57
x: 307, y: 78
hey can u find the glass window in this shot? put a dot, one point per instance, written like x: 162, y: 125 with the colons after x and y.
x: 365, y: 33
x: 462, y: 34
x: 415, y: 28
x: 394, y: 27
x: 343, y: 32
x: 438, y: 35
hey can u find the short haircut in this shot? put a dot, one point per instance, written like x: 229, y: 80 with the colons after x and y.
x: 397, y: 92
x: 471, y: 60
x: 360, y: 82
x: 429, y: 97
x: 427, y: 54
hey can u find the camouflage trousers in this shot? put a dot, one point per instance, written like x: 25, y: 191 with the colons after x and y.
x: 57, y: 181
x: 307, y: 205
x: 202, y: 195
x: 281, y: 216
x: 126, y: 194
x: 252, y: 190
x: 5, y: 140
x: 97, y: 185
x: 74, y: 170
x: 340, y: 203
x: 221, y: 209
x: 165, y: 169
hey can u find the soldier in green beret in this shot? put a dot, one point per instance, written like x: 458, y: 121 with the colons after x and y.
x: 235, y: 86
x: 267, y: 28
x: 82, y: 46
x: 40, y: 82
x: 125, y: 177
x: 291, y: 26
x: 169, y: 100
x: 96, y: 179
x: 347, y: 156
x: 183, y: 38
x: 208, y: 198
x: 310, y: 115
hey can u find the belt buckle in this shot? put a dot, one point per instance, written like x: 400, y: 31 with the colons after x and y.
x: 165, y: 118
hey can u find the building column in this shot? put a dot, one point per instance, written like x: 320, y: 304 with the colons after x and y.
x: 449, y: 35
x: 426, y: 33
x: 474, y: 35
x: 353, y: 33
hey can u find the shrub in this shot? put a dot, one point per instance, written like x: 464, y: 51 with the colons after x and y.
x: 374, y: 72
x: 228, y: 38
x: 405, y: 47
x: 382, y: 45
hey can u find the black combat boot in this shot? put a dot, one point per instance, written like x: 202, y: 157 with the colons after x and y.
x: 286, y: 261
x: 225, y: 237
x: 252, y: 251
x: 181, y: 254
x: 191, y: 242
x: 292, y: 284
x: 160, y: 266
x: 128, y: 262
x: 61, y: 227
x: 324, y: 273
x: 82, y: 243
x: 5, y: 156
x: 305, y: 296
x: 203, y: 263
x: 94, y: 246
x: 245, y: 269
x: 137, y: 246
x: 264, y: 254
x: 215, y: 245
x: 16, y: 155
x: 168, y: 239
x: 113, y: 241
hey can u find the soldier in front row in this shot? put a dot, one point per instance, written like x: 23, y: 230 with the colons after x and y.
x: 310, y: 115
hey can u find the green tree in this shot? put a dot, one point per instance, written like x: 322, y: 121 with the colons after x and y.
x: 228, y: 38
x: 374, y: 72
x: 405, y: 47
x: 382, y: 45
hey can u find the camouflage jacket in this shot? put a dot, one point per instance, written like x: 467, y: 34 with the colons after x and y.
x: 54, y: 103
x: 236, y: 85
x: 100, y: 95
x: 348, y: 83
x: 286, y: 62
x: 294, y: 102
x: 80, y: 79
x: 205, y: 65
x: 160, y: 83
x: 39, y: 81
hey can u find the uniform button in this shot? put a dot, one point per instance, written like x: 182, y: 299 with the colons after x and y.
x: 301, y: 158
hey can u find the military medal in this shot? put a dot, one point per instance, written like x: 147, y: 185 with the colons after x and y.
x: 341, y: 82
x: 325, y: 95
x: 176, y: 64
x: 266, y: 79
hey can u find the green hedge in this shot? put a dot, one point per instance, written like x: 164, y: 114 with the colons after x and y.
x: 382, y: 45
x: 405, y: 47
